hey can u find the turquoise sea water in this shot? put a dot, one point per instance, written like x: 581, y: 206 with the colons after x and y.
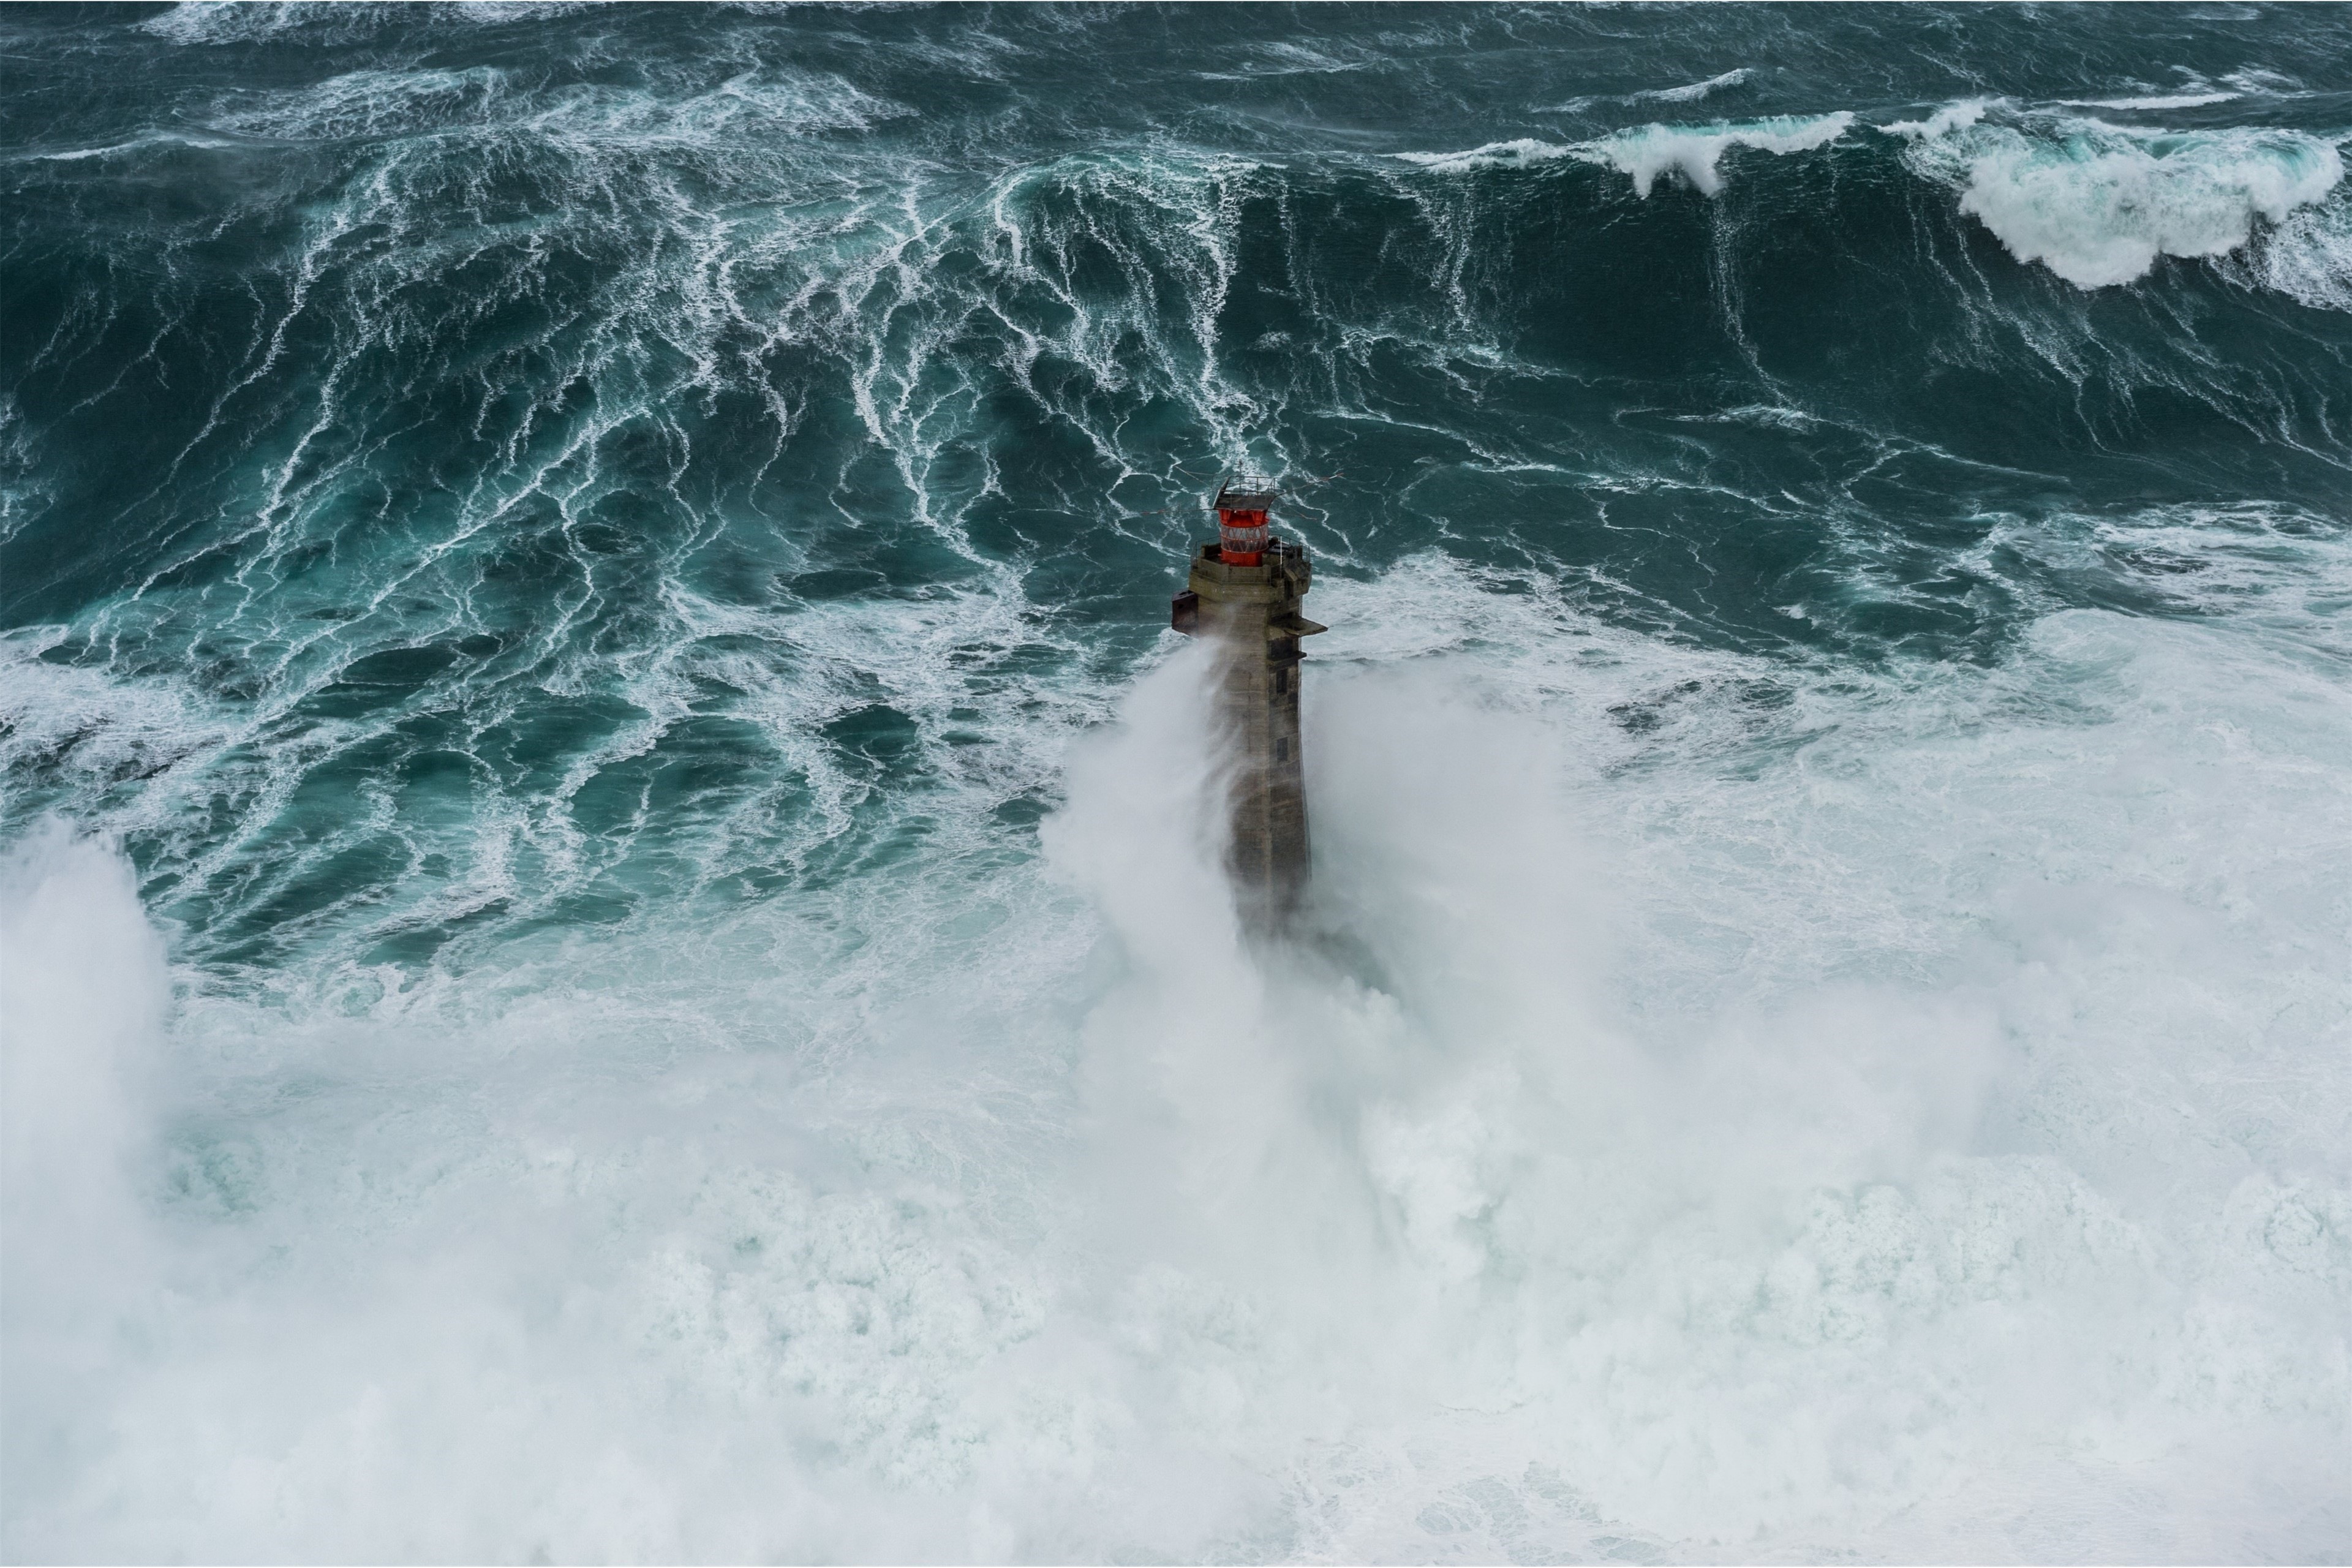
x: 611, y: 945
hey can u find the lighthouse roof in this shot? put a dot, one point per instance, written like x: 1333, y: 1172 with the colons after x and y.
x: 1246, y: 492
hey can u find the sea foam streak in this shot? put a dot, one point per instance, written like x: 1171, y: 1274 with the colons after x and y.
x: 1698, y: 89
x: 2174, y: 100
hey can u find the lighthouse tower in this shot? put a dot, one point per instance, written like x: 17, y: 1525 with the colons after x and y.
x: 1243, y: 595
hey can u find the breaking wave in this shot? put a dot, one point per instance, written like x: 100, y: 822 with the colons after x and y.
x: 2099, y: 204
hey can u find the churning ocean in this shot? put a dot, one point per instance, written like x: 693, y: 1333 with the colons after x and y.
x: 613, y: 945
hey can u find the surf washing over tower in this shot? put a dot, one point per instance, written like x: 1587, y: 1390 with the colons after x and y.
x: 1243, y: 595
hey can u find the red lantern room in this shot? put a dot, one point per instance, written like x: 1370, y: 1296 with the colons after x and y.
x: 1242, y: 531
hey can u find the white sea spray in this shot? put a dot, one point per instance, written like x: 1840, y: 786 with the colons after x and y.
x: 1697, y: 1126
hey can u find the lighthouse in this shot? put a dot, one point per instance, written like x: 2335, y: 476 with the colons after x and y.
x: 1243, y: 595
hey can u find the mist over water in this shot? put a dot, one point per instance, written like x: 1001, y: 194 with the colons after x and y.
x: 610, y: 936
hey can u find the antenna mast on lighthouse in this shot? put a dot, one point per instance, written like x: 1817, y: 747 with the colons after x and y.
x: 1243, y: 594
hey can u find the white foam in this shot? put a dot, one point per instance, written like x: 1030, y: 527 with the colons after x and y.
x: 1694, y: 153
x: 1690, y: 93
x: 2255, y: 82
x: 1518, y: 153
x: 135, y: 145
x: 220, y: 21
x: 1784, y: 1108
x: 1281, y: 59
x: 2309, y: 256
x: 1899, y: 1116
x: 1951, y: 117
x: 1651, y: 151
x: 1698, y: 89
x: 82, y: 993
x: 370, y: 103
x: 2175, y: 101
x: 483, y: 101
x: 247, y: 21
x: 2099, y: 204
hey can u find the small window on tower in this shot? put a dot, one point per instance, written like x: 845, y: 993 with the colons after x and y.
x: 1281, y: 750
x: 1281, y: 681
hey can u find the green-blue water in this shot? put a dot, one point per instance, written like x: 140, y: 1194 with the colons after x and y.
x: 599, y: 574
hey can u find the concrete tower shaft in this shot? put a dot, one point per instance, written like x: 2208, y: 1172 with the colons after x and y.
x: 1243, y: 594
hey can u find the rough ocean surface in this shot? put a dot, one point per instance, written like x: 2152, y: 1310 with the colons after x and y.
x: 611, y: 943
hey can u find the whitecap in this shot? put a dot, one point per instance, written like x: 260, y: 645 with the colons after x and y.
x: 2176, y: 101
x: 2256, y: 82
x: 1698, y: 89
x: 1647, y: 152
x: 1516, y: 154
x: 2309, y: 257
x: 1692, y: 151
x: 1952, y: 117
x: 2098, y: 204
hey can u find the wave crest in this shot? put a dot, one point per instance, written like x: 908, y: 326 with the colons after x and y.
x: 2098, y: 204
x: 1649, y: 150
x: 1693, y: 152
